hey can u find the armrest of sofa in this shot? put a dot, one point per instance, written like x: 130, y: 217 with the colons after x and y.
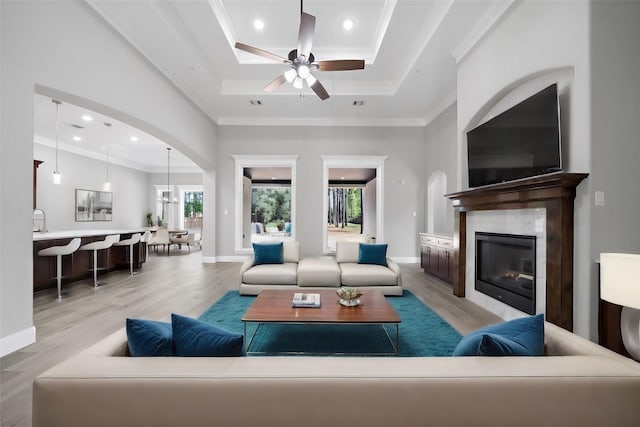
x: 393, y: 266
x: 245, y: 266
x: 113, y: 345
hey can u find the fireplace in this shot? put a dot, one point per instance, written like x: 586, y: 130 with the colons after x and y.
x: 506, y: 269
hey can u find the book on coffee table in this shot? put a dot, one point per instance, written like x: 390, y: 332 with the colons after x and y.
x: 305, y: 300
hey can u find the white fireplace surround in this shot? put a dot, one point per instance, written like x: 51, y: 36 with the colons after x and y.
x: 526, y: 222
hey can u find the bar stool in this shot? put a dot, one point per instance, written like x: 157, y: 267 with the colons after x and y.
x: 95, y: 247
x: 135, y: 238
x: 58, y: 252
x: 145, y: 239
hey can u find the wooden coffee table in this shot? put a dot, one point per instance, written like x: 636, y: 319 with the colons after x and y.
x: 274, y: 306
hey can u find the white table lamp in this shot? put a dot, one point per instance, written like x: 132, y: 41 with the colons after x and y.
x: 620, y: 284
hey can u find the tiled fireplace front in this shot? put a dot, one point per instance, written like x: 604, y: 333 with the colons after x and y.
x: 527, y: 222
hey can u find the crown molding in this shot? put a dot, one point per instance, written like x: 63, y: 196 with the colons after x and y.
x: 321, y: 121
x: 483, y: 27
x: 46, y: 142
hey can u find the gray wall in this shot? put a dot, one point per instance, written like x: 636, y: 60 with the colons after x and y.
x: 441, y: 156
x: 615, y: 125
x: 65, y: 49
x: 404, y: 147
x: 615, y: 128
x: 129, y: 188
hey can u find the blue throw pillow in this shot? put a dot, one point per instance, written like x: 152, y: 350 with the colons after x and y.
x: 518, y: 337
x: 267, y: 253
x: 373, y: 254
x: 148, y: 338
x: 193, y: 337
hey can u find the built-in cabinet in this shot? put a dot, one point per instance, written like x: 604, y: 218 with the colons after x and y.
x: 436, y: 256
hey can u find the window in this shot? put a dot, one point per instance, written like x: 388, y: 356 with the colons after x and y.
x: 265, y: 199
x: 359, y: 181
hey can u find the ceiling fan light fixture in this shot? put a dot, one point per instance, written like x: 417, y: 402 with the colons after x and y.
x: 290, y: 75
x: 297, y: 83
x: 311, y: 80
x: 303, y: 71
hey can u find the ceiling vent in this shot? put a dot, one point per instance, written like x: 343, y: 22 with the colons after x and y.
x: 255, y: 102
x: 358, y: 103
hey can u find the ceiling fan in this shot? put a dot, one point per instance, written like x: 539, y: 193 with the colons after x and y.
x: 301, y: 60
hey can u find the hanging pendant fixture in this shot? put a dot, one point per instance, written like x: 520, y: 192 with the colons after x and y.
x: 107, y: 183
x: 56, y: 173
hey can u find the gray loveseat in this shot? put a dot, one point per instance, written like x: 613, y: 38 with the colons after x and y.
x: 320, y: 272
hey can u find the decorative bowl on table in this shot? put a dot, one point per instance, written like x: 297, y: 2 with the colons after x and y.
x: 349, y: 296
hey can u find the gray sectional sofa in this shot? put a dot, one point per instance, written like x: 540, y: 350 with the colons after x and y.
x: 576, y: 383
x: 320, y: 272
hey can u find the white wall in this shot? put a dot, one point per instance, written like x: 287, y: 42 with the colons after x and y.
x: 65, y: 49
x: 442, y: 143
x: 129, y: 188
x: 369, y: 207
x: 534, y: 39
x: 404, y: 147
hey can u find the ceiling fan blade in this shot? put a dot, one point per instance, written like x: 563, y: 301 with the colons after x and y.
x: 279, y: 81
x: 341, y: 65
x: 261, y: 52
x: 319, y: 90
x: 305, y: 35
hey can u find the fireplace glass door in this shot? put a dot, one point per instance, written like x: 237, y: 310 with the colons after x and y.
x: 506, y: 269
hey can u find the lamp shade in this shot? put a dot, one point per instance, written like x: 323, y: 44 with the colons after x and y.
x: 620, y: 279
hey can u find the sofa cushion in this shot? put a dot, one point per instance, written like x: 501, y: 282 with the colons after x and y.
x: 291, y: 251
x: 267, y: 253
x: 347, y: 251
x: 321, y: 271
x: 272, y: 274
x: 354, y: 274
x: 372, y: 254
x: 193, y: 337
x: 149, y: 338
x: 518, y: 337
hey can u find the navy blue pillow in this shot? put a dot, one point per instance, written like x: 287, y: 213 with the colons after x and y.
x: 373, y: 254
x: 267, y: 253
x: 518, y: 337
x: 193, y: 337
x: 149, y: 338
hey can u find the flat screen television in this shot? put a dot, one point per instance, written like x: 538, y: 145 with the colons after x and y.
x: 521, y: 142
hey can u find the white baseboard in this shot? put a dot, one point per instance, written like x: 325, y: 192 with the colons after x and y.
x: 15, y: 342
x: 233, y: 258
x: 406, y: 259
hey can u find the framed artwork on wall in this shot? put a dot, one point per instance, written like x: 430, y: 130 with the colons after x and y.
x: 93, y: 205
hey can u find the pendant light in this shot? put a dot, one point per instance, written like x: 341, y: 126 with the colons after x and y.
x: 56, y: 172
x: 107, y: 183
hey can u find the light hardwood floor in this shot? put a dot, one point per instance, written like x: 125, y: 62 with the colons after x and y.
x: 179, y: 284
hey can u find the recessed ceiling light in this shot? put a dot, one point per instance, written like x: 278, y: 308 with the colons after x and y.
x: 358, y: 103
x: 273, y: 178
x: 134, y: 138
x: 76, y: 138
x: 87, y: 118
x: 348, y: 24
x: 258, y: 24
x: 342, y: 178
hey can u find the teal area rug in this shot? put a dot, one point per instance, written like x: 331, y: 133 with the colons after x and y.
x: 422, y: 332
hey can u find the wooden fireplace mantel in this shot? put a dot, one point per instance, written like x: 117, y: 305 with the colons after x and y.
x: 555, y: 192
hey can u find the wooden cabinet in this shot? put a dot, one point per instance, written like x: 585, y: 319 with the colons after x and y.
x: 436, y: 256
